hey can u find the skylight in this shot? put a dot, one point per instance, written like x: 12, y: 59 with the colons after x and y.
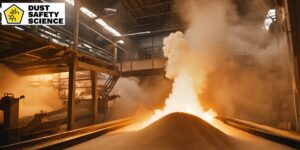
x: 70, y: 2
x: 88, y: 12
x: 99, y: 21
x: 107, y: 27
x: 270, y: 18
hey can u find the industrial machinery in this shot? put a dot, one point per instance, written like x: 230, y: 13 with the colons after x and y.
x: 14, y: 130
x: 10, y: 128
x: 103, y: 103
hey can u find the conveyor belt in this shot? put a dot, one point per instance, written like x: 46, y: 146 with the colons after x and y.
x: 71, y: 138
x: 290, y: 139
x: 67, y: 139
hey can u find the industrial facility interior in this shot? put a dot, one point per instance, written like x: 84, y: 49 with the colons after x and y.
x: 153, y: 75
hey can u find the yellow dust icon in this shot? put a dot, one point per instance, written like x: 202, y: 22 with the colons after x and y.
x: 14, y: 14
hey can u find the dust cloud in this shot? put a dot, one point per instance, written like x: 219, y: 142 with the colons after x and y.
x: 140, y: 95
x: 235, y: 65
x: 238, y: 68
x: 37, y: 97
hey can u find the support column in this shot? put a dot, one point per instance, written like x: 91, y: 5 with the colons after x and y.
x: 95, y: 104
x: 292, y: 8
x: 76, y: 23
x: 72, y: 71
x: 116, y: 52
x: 71, y: 94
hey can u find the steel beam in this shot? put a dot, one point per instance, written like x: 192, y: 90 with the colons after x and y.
x: 27, y: 37
x: 98, y: 68
x: 148, y: 16
x: 44, y: 70
x: 72, y: 71
x: 40, y: 63
x: 104, y: 51
x: 149, y: 6
x: 22, y: 52
x: 95, y: 104
x: 293, y: 26
x: 71, y: 94
x: 146, y: 72
x: 76, y: 23
x: 116, y: 52
x: 10, y: 39
x: 104, y: 37
x: 11, y: 34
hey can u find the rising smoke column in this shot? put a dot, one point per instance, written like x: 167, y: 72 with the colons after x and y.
x: 202, y: 61
x: 238, y: 84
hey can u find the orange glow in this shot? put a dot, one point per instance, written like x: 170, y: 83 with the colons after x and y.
x: 184, y: 98
x: 38, y: 79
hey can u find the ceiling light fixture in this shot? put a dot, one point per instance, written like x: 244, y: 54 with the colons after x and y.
x: 121, y: 42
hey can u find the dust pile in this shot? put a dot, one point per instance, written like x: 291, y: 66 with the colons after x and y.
x: 37, y: 98
x: 176, y: 131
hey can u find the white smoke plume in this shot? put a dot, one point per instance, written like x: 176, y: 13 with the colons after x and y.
x: 140, y: 95
x: 238, y: 68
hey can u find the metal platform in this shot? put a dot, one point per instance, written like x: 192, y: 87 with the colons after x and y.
x: 144, y: 67
x: 31, y: 54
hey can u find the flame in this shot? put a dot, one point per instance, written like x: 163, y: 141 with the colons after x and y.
x: 184, y: 98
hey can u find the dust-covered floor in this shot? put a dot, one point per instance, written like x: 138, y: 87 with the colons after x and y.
x: 179, y: 131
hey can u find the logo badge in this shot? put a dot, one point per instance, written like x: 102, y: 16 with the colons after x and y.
x: 33, y: 14
x: 14, y: 14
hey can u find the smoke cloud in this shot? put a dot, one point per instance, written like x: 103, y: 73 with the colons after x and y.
x: 140, y: 95
x: 37, y: 98
x: 238, y: 68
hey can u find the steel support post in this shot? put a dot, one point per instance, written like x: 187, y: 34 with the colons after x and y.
x: 71, y: 94
x: 72, y: 70
x: 116, y: 51
x: 292, y: 8
x: 95, y: 104
x: 76, y: 23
